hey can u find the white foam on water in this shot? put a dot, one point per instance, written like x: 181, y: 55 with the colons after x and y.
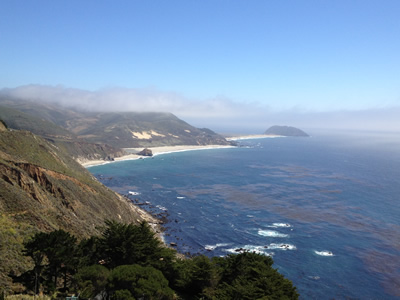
x: 324, y: 253
x: 161, y: 207
x: 133, y: 193
x: 180, y: 197
x: 282, y: 246
x: 210, y: 247
x: 271, y: 233
x: 276, y: 225
x: 250, y: 248
x: 213, y: 247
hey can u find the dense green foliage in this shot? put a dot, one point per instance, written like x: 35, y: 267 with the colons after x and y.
x: 128, y: 262
x: 12, y: 235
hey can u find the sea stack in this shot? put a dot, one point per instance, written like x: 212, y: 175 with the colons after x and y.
x: 145, y: 152
x: 285, y: 131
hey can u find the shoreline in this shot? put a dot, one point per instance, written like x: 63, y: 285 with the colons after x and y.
x: 172, y: 149
x: 155, y: 150
x: 253, y: 136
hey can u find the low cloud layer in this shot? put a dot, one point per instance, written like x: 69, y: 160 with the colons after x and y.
x: 219, y: 113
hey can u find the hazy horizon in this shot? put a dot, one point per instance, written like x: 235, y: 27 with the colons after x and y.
x: 219, y: 114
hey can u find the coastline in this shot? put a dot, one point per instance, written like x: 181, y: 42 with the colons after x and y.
x: 253, y: 136
x: 156, y: 151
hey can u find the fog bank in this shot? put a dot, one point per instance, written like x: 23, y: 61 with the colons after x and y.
x: 219, y: 113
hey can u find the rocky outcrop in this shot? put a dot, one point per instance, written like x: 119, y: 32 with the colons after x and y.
x: 145, y: 152
x: 3, y: 126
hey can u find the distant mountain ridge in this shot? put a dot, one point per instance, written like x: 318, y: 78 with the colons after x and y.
x: 79, y: 149
x: 285, y: 131
x: 118, y: 129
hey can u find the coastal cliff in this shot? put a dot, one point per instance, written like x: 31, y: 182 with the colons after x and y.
x: 42, y: 188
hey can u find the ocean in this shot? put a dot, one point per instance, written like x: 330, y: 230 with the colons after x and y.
x: 326, y: 208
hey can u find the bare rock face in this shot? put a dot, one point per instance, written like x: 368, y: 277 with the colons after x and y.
x: 145, y: 152
x: 3, y: 126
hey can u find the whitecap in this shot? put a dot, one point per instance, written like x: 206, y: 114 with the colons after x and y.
x: 180, y: 197
x: 210, y: 247
x: 271, y: 233
x: 250, y: 248
x: 282, y: 246
x: 133, y: 193
x: 281, y: 224
x: 213, y: 247
x: 324, y: 253
x: 276, y: 225
x: 161, y: 207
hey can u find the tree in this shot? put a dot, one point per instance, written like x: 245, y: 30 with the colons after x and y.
x: 127, y: 244
x: 196, y: 276
x: 90, y: 252
x: 134, y: 282
x: 251, y: 276
x: 35, y: 248
x: 92, y: 281
x: 58, y: 249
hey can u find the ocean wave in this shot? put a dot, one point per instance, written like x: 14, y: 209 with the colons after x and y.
x: 161, y: 207
x: 276, y: 225
x: 324, y: 253
x: 250, y: 248
x: 180, y: 197
x: 213, y: 247
x: 133, y: 193
x: 271, y: 233
x: 282, y: 246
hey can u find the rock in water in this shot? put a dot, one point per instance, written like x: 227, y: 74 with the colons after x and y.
x: 145, y: 152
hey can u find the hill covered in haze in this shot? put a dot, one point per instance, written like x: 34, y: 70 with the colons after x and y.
x: 116, y: 129
x: 285, y: 131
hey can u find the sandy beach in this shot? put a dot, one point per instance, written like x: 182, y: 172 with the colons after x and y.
x: 253, y: 136
x: 156, y: 151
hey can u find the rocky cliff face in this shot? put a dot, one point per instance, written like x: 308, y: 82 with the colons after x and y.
x: 42, y: 186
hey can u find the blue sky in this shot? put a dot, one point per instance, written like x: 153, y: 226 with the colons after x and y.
x: 308, y: 56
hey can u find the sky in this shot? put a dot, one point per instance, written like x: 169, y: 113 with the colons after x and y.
x: 214, y: 63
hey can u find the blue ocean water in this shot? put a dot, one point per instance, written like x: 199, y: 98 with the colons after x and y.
x: 327, y: 208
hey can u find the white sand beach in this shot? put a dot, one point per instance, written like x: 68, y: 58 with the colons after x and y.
x: 253, y: 136
x: 156, y: 151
